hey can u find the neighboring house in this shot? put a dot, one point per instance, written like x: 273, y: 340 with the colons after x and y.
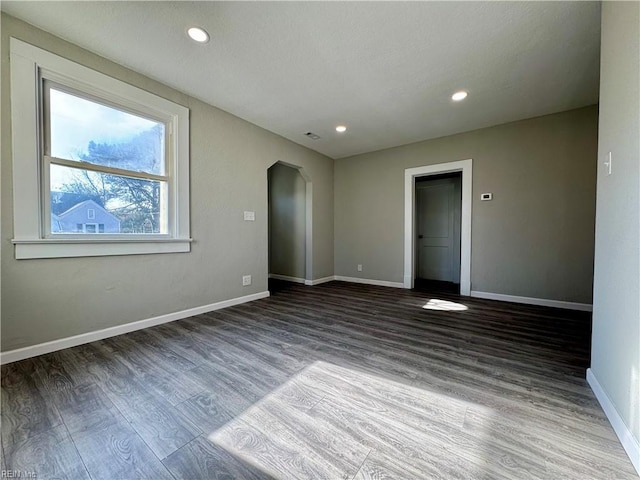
x: 85, y: 217
x: 56, y: 226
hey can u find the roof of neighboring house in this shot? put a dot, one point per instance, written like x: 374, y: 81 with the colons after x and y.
x: 88, y: 204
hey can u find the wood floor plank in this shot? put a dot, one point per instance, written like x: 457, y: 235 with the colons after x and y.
x: 163, y: 379
x: 431, y: 459
x: 200, y: 458
x: 50, y: 454
x: 564, y: 451
x: 333, y: 445
x: 3, y: 464
x: 247, y: 345
x: 272, y: 452
x: 54, y: 373
x: 298, y: 394
x: 116, y: 451
x: 447, y: 448
x: 26, y: 410
x: 181, y: 342
x: 210, y: 410
x: 379, y: 466
x: 248, y: 366
x: 86, y: 408
x: 243, y: 389
x: 160, y: 350
x: 109, y: 447
x: 320, y: 345
x: 163, y: 428
x: 413, y: 401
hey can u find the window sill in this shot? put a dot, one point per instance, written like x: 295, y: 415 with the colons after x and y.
x: 65, y: 248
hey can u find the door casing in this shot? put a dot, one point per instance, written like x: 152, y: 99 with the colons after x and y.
x: 410, y: 174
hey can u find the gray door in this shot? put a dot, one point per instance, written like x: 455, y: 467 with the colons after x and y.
x: 437, y: 242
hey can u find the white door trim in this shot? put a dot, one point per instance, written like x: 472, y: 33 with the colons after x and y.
x: 410, y: 174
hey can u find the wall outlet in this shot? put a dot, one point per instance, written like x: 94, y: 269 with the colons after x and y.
x: 250, y: 216
x: 359, y: 267
x: 246, y: 280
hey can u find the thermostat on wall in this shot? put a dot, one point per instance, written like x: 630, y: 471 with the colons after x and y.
x: 486, y: 196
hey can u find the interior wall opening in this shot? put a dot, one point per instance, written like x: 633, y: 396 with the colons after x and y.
x: 438, y: 204
x: 287, y: 224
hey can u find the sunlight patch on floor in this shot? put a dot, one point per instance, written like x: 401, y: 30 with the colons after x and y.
x: 444, y: 305
x: 325, y: 421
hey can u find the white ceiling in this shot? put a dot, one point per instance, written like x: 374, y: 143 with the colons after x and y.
x: 385, y: 69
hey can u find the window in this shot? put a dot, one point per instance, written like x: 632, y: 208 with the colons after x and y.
x: 100, y: 154
x: 100, y: 167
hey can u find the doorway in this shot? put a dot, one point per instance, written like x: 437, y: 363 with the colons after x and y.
x: 465, y: 167
x: 289, y: 223
x: 438, y: 201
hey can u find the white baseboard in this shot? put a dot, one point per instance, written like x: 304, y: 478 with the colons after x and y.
x: 586, y: 307
x: 629, y: 442
x: 286, y: 278
x: 318, y: 281
x: 380, y: 283
x: 54, y: 345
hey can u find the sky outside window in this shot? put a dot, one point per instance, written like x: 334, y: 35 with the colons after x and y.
x: 75, y: 122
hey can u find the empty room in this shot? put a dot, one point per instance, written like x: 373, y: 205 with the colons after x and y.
x: 320, y: 240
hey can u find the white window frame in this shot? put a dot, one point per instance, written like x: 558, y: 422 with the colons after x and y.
x: 30, y: 66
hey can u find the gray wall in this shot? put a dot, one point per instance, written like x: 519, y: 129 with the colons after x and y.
x: 615, y: 354
x: 534, y: 239
x: 287, y: 221
x: 44, y: 300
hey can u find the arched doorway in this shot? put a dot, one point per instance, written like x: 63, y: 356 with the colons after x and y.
x: 289, y: 223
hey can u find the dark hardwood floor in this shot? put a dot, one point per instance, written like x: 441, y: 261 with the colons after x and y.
x: 336, y: 381
x: 435, y: 286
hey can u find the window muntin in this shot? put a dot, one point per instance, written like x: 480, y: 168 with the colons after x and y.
x: 103, y: 156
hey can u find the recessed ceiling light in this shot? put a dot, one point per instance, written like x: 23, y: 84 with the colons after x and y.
x: 461, y: 95
x: 341, y: 129
x: 197, y: 34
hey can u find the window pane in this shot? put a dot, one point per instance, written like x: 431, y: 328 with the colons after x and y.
x: 87, y: 131
x: 121, y: 204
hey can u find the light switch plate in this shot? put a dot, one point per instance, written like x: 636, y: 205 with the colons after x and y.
x: 486, y: 196
x: 607, y: 164
x: 250, y: 216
